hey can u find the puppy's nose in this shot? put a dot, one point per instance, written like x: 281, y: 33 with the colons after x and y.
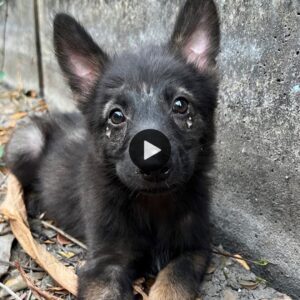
x: 157, y: 175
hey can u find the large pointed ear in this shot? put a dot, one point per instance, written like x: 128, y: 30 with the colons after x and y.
x: 80, y: 58
x: 197, y: 34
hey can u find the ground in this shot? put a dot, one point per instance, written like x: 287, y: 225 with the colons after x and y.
x: 227, y: 278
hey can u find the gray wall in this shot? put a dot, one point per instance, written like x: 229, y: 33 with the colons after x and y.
x: 20, y: 64
x: 257, y: 182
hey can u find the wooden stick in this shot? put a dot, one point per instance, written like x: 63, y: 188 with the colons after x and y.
x: 69, y: 237
x: 7, y: 263
x: 9, y: 291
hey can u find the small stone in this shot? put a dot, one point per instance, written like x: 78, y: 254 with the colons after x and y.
x: 230, y: 295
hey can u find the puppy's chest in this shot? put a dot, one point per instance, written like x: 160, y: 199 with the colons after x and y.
x: 162, y: 246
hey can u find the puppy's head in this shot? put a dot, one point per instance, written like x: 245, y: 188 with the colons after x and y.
x: 171, y: 88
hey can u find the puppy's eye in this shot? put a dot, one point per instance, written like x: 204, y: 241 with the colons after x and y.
x: 180, y: 105
x: 117, y: 117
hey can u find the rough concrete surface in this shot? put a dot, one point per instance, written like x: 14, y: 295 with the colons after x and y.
x: 257, y: 182
x: 257, y: 192
x: 20, y: 63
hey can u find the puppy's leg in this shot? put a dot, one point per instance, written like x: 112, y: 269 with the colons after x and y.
x: 181, y: 278
x: 105, y: 281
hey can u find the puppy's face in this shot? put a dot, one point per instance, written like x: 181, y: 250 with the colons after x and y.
x: 153, y: 90
x: 171, y: 88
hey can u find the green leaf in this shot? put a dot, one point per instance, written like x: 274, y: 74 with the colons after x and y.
x: 2, y: 75
x: 261, y: 280
x: 261, y: 262
x: 1, y: 151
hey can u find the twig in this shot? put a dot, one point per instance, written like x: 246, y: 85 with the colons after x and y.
x: 69, y: 237
x: 4, y: 36
x: 29, y: 295
x: 5, y: 231
x: 36, y: 291
x: 9, y: 291
x: 261, y: 263
x: 6, y: 263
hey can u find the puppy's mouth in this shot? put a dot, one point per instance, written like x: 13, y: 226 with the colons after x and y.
x: 158, y: 190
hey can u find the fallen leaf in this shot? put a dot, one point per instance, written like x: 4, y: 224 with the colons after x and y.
x: 260, y: 280
x: 62, y: 240
x: 19, y: 115
x: 41, y: 106
x: 5, y: 248
x: 68, y: 254
x: 282, y: 297
x: 13, y: 209
x: 238, y: 258
x: 5, y: 134
x: 15, y: 94
x: 55, y: 289
x: 31, y: 94
x: 137, y: 289
x: 35, y: 290
x: 261, y: 262
x: 1, y: 151
x: 249, y: 284
x: 49, y: 242
x: 17, y: 283
x: 2, y: 75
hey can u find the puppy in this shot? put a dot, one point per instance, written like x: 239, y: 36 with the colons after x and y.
x: 77, y: 167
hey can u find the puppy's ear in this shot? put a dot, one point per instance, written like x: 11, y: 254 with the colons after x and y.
x: 79, y: 57
x: 197, y: 34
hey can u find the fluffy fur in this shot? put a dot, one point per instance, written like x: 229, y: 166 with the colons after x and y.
x: 77, y: 168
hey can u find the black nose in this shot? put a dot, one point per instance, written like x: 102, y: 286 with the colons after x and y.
x: 157, y: 175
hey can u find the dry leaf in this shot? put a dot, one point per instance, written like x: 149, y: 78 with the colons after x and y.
x: 139, y: 289
x: 17, y: 283
x: 249, y: 284
x: 31, y: 94
x: 62, y: 240
x: 35, y: 290
x: 13, y: 209
x: 241, y: 261
x: 19, y: 115
x: 41, y: 106
x: 5, y: 248
x: 49, y: 242
x: 5, y: 134
x: 66, y: 254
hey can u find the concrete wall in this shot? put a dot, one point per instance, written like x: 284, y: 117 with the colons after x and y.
x: 256, y: 192
x: 20, y: 64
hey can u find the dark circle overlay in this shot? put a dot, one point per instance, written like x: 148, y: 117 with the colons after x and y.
x: 156, y: 138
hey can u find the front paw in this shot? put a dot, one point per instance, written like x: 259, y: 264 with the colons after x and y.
x: 99, y: 290
x: 166, y: 288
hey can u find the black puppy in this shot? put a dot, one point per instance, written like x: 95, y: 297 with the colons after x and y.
x: 77, y: 167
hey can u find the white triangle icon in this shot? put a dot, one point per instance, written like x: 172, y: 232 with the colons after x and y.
x: 150, y: 150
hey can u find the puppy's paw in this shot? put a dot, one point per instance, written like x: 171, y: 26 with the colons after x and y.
x: 103, y: 291
x: 166, y: 288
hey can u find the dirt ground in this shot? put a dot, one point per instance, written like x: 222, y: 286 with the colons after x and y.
x: 227, y: 278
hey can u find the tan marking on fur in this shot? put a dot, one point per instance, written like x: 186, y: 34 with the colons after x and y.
x: 166, y: 287
x: 99, y: 291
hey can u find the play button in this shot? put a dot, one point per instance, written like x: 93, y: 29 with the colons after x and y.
x: 150, y: 150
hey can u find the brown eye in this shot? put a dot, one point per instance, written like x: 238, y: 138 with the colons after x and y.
x: 117, y: 117
x: 180, y: 105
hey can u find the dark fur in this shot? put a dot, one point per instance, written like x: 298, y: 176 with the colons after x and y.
x: 86, y: 181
